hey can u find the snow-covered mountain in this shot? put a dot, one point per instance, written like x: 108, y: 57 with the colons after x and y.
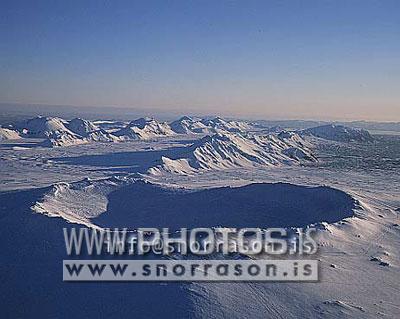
x: 226, y: 150
x: 7, y: 134
x: 59, y: 132
x: 339, y: 133
x: 188, y: 125
x: 144, y: 128
x: 53, y: 129
x: 44, y: 127
x: 89, y: 131
x: 218, y: 123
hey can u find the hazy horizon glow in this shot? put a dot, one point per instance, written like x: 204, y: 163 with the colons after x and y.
x: 314, y: 59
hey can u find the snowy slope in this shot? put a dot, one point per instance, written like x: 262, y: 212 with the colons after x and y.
x: 144, y: 128
x: 338, y: 133
x: 228, y: 150
x: 7, y: 134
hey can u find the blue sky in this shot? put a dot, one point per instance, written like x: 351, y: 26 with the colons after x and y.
x: 277, y: 59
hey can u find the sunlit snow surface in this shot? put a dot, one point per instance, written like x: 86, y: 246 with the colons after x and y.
x: 351, y: 285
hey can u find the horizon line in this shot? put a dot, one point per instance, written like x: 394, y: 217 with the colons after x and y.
x: 191, y: 112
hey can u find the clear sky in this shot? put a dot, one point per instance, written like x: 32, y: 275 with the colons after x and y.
x: 272, y: 59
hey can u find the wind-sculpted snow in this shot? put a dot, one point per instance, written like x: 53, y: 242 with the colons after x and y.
x: 144, y: 128
x: 226, y: 150
x: 339, y: 133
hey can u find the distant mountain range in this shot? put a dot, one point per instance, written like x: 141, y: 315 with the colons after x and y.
x: 228, y: 134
